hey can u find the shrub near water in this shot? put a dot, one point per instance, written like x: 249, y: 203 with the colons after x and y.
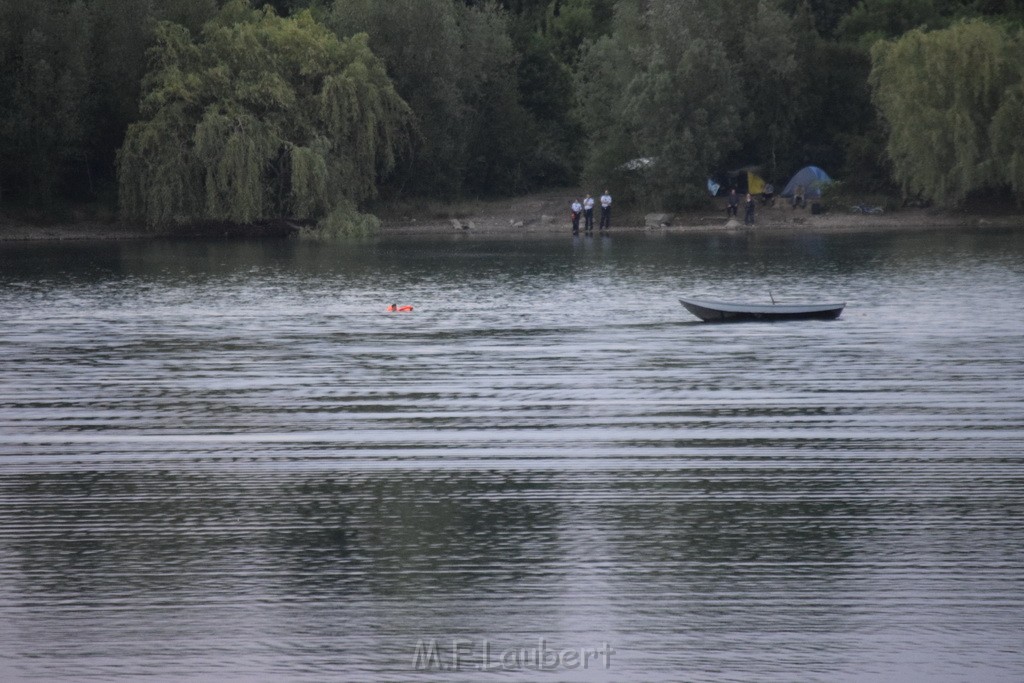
x: 342, y: 223
x: 262, y: 117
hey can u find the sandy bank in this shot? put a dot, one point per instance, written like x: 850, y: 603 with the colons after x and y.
x: 547, y: 213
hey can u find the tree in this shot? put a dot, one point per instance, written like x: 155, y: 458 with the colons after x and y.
x: 69, y: 86
x: 455, y: 65
x: 262, y: 117
x: 945, y: 96
x: 652, y: 77
x: 546, y: 93
x: 43, y: 86
x: 117, y: 65
x: 774, y: 83
x: 496, y: 126
x: 873, y: 20
x: 571, y: 23
x: 825, y: 15
x: 1008, y: 137
x: 837, y: 124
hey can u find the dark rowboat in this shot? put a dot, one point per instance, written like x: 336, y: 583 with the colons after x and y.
x: 720, y: 311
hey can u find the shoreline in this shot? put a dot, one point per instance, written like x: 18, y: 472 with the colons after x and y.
x: 547, y: 214
x: 543, y: 215
x: 901, y: 221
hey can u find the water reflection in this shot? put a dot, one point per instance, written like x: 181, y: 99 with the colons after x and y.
x: 226, y: 462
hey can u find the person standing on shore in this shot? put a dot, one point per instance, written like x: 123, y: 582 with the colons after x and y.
x: 748, y: 216
x: 606, y: 211
x: 588, y: 214
x: 574, y: 212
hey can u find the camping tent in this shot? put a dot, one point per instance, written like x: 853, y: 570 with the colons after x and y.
x: 755, y: 183
x: 812, y: 178
x: 743, y: 180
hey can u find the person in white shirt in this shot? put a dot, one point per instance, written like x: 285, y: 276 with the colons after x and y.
x: 606, y: 211
x: 575, y: 211
x: 588, y: 214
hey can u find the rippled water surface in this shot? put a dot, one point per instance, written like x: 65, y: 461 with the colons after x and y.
x: 225, y: 461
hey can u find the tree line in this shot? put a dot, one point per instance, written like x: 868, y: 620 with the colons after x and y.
x: 190, y: 110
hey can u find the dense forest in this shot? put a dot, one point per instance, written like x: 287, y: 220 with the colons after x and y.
x: 228, y: 110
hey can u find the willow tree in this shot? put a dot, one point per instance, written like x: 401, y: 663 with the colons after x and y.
x: 952, y: 101
x: 260, y: 117
x: 1008, y: 138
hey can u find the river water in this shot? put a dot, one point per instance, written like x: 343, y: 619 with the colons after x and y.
x: 224, y: 461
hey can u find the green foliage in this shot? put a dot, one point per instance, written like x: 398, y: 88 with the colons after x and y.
x: 948, y: 96
x: 823, y: 16
x: 652, y: 77
x: 419, y: 42
x: 495, y: 121
x: 836, y: 122
x: 678, y: 77
x: 873, y: 20
x: 43, y: 90
x: 553, y: 135
x: 262, y: 117
x: 605, y: 70
x: 866, y: 164
x: 248, y: 118
x: 570, y: 24
x: 773, y: 85
x: 69, y: 87
x: 289, y: 7
x: 1008, y: 137
x: 456, y: 66
x: 343, y: 222
x: 191, y: 14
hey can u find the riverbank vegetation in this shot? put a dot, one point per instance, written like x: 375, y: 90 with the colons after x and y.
x: 184, y: 111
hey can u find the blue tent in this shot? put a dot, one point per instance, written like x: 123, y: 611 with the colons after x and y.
x: 812, y: 178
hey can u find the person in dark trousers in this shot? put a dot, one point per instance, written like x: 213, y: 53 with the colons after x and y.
x: 588, y: 214
x: 748, y: 215
x: 574, y: 211
x: 606, y: 211
x: 732, y: 203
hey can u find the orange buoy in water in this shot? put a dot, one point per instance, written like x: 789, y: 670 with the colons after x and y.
x: 395, y: 308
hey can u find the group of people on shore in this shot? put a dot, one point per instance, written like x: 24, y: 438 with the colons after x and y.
x: 586, y: 210
x: 732, y: 204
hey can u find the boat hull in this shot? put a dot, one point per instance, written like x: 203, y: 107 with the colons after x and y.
x: 721, y: 311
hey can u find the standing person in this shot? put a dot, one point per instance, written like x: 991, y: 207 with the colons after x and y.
x: 588, y: 214
x: 575, y: 211
x: 748, y: 215
x: 732, y: 203
x: 606, y: 211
